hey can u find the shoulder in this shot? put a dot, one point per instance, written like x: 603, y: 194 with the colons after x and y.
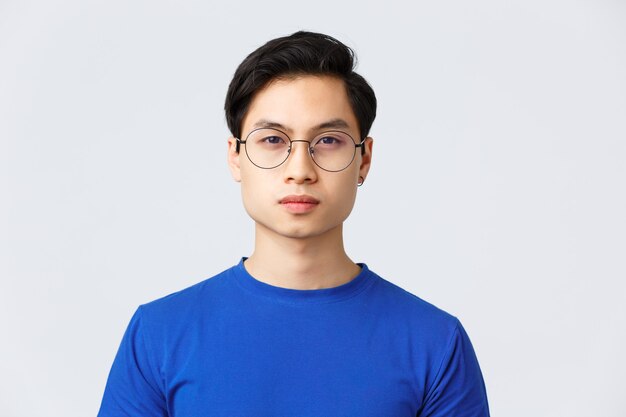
x: 440, y: 350
x: 188, y: 301
x: 415, y: 312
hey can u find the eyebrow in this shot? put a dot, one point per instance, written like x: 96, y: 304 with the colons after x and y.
x: 333, y: 124
x: 330, y: 124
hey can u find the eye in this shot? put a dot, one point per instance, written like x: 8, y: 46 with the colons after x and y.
x: 272, y: 140
x: 330, y: 141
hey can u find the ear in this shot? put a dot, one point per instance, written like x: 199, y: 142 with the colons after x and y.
x: 366, y: 158
x: 233, y: 159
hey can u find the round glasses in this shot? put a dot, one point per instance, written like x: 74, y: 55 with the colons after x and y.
x: 332, y: 151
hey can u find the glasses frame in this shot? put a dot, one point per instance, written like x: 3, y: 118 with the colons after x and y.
x: 309, y: 148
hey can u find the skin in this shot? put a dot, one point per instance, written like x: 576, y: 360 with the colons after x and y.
x: 303, y: 250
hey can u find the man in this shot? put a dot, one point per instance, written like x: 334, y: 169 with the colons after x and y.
x: 296, y: 329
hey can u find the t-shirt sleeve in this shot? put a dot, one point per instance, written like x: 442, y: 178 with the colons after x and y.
x: 458, y: 389
x: 133, y: 388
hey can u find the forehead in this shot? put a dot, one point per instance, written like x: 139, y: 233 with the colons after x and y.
x: 301, y: 104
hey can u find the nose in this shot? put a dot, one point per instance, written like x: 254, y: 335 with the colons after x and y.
x: 299, y: 166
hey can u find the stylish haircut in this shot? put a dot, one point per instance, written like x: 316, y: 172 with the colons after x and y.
x: 302, y: 53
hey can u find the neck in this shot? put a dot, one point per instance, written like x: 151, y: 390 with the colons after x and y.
x: 313, y: 262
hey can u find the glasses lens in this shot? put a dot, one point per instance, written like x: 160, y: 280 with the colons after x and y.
x: 333, y: 151
x: 267, y: 148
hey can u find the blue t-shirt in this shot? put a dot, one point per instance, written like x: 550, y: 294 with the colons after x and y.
x: 233, y: 346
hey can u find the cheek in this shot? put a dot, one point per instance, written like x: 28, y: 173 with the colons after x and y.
x: 255, y: 192
x: 345, y: 196
x: 350, y: 198
x: 246, y: 194
x: 248, y: 189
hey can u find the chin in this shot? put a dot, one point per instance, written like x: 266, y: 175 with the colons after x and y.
x: 292, y: 230
x: 299, y: 232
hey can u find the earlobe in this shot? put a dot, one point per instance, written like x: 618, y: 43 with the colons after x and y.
x: 233, y: 159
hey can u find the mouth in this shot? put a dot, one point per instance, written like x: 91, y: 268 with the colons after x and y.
x: 299, y: 203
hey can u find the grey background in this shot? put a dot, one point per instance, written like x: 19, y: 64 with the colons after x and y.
x: 497, y: 190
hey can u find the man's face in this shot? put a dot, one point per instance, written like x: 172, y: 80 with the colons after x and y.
x: 298, y: 199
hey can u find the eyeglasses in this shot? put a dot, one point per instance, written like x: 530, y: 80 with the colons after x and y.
x: 332, y: 151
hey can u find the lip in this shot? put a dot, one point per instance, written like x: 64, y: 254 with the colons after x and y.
x: 299, y: 203
x: 307, y: 199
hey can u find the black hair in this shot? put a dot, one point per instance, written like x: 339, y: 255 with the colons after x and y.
x: 302, y: 53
